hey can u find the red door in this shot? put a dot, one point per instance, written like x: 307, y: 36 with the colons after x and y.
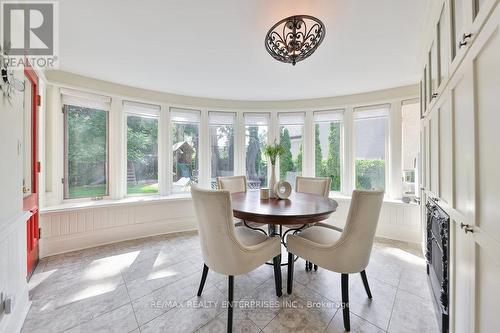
x: 30, y: 189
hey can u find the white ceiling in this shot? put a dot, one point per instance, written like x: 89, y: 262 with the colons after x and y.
x: 216, y: 48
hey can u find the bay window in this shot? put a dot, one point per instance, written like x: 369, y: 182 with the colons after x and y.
x: 221, y: 131
x: 142, y: 147
x: 370, y: 128
x: 185, y: 141
x: 328, y: 146
x: 291, y: 137
x: 256, y: 137
x: 85, y: 144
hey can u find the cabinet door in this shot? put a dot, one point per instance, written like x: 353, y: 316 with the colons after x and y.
x: 443, y: 30
x: 445, y: 150
x: 434, y: 151
x: 485, y: 56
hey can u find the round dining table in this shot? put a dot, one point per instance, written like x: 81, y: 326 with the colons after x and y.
x: 296, y: 212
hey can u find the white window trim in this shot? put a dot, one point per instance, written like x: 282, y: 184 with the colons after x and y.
x: 117, y: 145
x: 138, y: 109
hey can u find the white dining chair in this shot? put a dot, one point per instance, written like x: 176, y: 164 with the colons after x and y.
x: 233, y: 184
x: 228, y: 250
x: 312, y: 185
x: 344, y: 251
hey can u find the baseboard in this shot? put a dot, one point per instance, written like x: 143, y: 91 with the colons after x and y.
x: 57, y: 245
x: 14, y: 322
x: 405, y: 233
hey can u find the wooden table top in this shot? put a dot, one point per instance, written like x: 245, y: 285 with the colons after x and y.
x: 300, y: 208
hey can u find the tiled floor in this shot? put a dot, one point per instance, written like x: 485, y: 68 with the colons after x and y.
x: 149, y: 285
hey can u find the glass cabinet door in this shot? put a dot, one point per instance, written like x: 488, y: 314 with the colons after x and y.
x: 444, y: 44
x: 457, y: 7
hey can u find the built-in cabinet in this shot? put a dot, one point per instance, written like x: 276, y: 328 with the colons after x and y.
x: 460, y: 131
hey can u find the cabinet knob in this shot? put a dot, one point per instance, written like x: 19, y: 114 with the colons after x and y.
x: 434, y: 95
x: 464, y: 40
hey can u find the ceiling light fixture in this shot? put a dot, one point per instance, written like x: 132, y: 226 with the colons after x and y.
x: 295, y: 38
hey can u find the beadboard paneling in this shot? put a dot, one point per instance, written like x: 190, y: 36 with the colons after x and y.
x: 75, y: 229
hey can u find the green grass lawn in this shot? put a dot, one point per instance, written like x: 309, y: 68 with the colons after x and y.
x: 142, y: 188
x: 100, y: 190
x: 87, y: 191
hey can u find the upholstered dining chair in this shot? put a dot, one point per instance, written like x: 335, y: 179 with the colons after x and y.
x: 233, y: 184
x: 228, y: 250
x: 344, y: 251
x: 312, y: 185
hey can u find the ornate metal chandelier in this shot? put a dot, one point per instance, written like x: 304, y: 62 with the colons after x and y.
x: 295, y: 38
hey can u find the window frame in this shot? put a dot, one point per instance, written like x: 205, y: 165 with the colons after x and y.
x: 65, y: 191
x: 387, y: 153
x: 236, y: 136
x: 147, y: 110
x: 342, y: 112
x: 268, y: 115
x: 169, y: 143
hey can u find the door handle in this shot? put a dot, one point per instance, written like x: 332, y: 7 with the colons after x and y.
x: 464, y: 40
x: 466, y: 228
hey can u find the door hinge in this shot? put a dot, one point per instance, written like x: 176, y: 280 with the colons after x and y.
x: 39, y: 233
x: 38, y: 167
x: 38, y: 100
x: 62, y: 180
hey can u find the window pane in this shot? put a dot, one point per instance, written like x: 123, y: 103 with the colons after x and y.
x: 85, y: 152
x: 458, y: 23
x: 221, y: 152
x: 291, y: 161
x: 327, y: 152
x: 370, y: 153
x: 185, y: 148
x: 255, y: 161
x: 142, y: 154
x: 444, y: 45
x: 410, y: 145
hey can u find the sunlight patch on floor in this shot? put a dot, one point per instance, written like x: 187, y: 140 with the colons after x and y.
x: 110, y: 266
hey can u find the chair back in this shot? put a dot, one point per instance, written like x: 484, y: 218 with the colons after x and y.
x: 232, y: 184
x: 221, y: 250
x: 313, y: 185
x: 356, y: 242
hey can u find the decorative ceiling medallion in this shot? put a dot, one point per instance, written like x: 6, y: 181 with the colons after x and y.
x: 295, y: 38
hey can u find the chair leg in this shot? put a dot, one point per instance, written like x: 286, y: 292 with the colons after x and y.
x: 289, y: 282
x: 277, y: 274
x: 230, y: 304
x: 203, y: 279
x: 345, y: 301
x: 310, y: 265
x: 315, y: 267
x: 307, y: 265
x: 365, y: 283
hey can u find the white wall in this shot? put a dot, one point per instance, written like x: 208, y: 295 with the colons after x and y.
x: 12, y: 218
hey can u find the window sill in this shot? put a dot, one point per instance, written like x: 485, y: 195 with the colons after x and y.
x: 133, y: 200
x: 137, y: 200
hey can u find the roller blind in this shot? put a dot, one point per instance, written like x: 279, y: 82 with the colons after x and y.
x: 85, y: 100
x: 328, y: 116
x: 370, y: 112
x: 256, y: 119
x: 141, y: 108
x: 221, y: 118
x: 295, y: 118
x: 179, y: 115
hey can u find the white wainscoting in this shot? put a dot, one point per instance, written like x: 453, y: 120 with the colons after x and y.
x: 13, y: 272
x: 71, y: 229
x: 398, y: 221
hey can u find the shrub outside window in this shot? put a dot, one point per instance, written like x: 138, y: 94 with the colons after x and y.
x: 256, y: 137
x: 370, y: 128
x: 328, y: 146
x: 85, y: 145
x: 291, y: 137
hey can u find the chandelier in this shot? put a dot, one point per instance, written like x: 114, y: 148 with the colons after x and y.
x: 295, y: 38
